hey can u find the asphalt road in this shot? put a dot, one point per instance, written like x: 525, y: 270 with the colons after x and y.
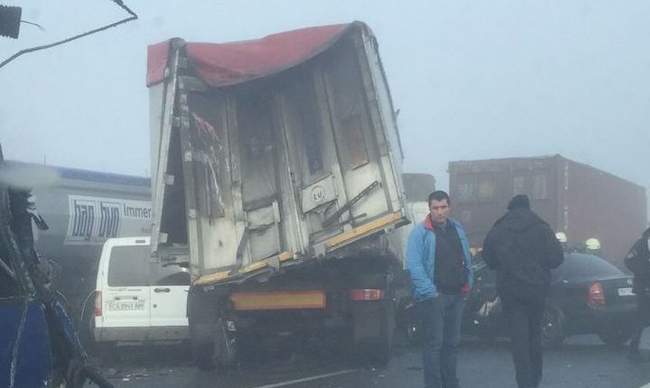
x: 582, y: 362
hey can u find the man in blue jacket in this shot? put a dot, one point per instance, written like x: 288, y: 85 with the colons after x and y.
x: 438, y: 261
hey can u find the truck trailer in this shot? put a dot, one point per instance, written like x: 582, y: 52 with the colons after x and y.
x: 578, y: 200
x: 276, y: 178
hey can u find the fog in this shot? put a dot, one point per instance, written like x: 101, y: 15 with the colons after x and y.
x: 471, y: 80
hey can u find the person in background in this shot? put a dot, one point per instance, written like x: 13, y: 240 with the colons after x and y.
x: 522, y: 248
x: 592, y: 247
x: 638, y: 262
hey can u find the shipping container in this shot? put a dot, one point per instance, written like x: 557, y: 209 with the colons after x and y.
x: 578, y: 200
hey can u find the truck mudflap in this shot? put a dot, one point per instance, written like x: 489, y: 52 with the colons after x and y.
x: 373, y: 329
x: 274, y: 263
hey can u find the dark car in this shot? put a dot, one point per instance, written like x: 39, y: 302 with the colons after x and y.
x: 588, y: 295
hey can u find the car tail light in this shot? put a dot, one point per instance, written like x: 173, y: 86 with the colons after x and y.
x: 365, y: 294
x: 98, y: 303
x: 596, y: 295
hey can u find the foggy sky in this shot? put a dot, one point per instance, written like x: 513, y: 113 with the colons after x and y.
x: 472, y: 79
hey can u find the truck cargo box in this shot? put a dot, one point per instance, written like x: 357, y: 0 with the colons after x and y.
x: 271, y: 152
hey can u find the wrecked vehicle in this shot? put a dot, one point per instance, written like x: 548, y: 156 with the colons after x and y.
x: 40, y: 346
x: 276, y: 179
x: 588, y: 295
x: 138, y: 301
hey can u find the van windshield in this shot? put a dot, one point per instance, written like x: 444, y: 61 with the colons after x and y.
x: 129, y: 266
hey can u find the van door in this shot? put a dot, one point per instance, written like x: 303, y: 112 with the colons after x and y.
x: 169, y: 288
x: 126, y: 296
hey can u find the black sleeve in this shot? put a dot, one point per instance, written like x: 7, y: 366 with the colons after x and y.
x: 637, y: 259
x: 489, y: 250
x: 554, y: 255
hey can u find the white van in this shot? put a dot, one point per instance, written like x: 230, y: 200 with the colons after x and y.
x: 138, y: 300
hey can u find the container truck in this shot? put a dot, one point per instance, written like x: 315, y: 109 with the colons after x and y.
x: 276, y: 177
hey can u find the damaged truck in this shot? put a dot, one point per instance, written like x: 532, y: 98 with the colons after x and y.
x: 276, y: 170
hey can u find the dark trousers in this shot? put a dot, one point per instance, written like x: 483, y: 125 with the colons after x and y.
x: 525, y: 323
x: 441, y: 320
x: 642, y: 320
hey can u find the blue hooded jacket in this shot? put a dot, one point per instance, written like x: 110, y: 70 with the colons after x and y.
x: 421, y: 257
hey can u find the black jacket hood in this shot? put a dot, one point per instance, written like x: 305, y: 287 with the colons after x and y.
x: 519, y: 220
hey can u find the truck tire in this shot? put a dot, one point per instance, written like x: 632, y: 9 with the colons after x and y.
x: 202, y: 318
x: 225, y: 345
x: 220, y: 352
x: 203, y: 355
x: 384, y: 345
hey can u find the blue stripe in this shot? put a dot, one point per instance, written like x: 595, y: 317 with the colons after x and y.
x: 91, y: 176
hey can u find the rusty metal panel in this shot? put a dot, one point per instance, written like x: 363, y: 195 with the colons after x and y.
x: 573, y: 198
x: 606, y: 207
x: 480, y: 191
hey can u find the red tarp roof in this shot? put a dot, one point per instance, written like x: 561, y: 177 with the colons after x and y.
x: 222, y: 64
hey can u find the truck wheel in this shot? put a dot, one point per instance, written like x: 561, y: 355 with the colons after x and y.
x: 203, y: 354
x: 376, y: 349
x: 384, y: 347
x: 225, y: 344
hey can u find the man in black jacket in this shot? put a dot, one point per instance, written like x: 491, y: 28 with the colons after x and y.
x: 523, y: 249
x: 638, y: 261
